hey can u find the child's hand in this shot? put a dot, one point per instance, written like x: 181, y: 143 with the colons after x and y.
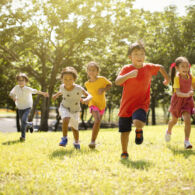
x: 85, y: 101
x: 54, y: 97
x: 45, y: 94
x: 166, y: 82
x: 101, y: 90
x: 133, y: 74
x: 191, y: 93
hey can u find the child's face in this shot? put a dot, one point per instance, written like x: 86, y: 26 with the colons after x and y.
x: 68, y: 80
x: 183, y: 68
x: 137, y: 57
x: 92, y: 72
x: 21, y: 81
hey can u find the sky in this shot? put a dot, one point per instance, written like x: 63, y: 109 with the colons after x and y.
x: 159, y: 5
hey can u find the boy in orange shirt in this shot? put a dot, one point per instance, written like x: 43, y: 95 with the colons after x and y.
x: 135, y: 80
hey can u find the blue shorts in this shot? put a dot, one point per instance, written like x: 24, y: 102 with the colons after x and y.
x: 125, y: 123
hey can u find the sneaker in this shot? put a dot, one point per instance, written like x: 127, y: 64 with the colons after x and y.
x: 139, y: 136
x: 124, y: 156
x: 167, y: 137
x: 92, y: 145
x: 29, y: 126
x: 22, y: 139
x: 187, y: 145
x: 77, y: 146
x: 64, y: 141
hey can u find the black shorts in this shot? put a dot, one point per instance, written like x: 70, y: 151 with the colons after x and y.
x: 125, y: 123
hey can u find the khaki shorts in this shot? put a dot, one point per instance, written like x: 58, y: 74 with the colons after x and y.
x: 74, y: 117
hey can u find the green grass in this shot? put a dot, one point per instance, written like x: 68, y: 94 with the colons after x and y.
x: 40, y: 166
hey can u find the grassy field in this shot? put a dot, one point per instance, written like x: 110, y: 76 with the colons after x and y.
x: 40, y: 166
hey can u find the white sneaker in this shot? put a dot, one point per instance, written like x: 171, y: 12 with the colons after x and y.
x: 167, y: 137
x: 187, y: 145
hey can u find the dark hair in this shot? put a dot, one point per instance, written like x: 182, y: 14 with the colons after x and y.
x: 178, y: 61
x: 69, y: 70
x: 137, y: 45
x: 95, y: 64
x: 22, y: 75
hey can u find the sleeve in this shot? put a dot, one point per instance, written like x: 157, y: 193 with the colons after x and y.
x: 176, y: 84
x: 85, y: 85
x: 106, y: 81
x: 124, y: 70
x: 154, y: 69
x: 13, y: 91
x: 61, y: 88
x: 33, y: 91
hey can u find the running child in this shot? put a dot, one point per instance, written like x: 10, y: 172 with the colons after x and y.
x: 96, y: 86
x: 182, y: 103
x: 70, y: 105
x: 135, y: 79
x: 22, y: 96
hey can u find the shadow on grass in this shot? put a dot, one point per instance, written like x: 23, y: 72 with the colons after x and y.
x: 62, y: 152
x: 12, y: 142
x: 176, y: 151
x: 139, y: 164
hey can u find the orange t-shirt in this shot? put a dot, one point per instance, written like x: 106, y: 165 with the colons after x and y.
x: 136, y: 91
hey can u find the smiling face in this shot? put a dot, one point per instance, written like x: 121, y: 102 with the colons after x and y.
x: 183, y: 68
x: 68, y: 80
x: 137, y: 57
x: 21, y: 81
x: 92, y: 72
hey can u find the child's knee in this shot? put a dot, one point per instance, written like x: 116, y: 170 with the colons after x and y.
x: 138, y: 123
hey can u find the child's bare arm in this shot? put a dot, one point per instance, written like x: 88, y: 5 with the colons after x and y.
x: 122, y: 78
x: 101, y: 90
x: 55, y: 96
x: 181, y: 94
x: 87, y: 99
x: 164, y: 74
x: 45, y: 94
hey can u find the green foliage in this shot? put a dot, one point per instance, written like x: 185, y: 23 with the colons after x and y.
x: 42, y: 37
x: 40, y: 166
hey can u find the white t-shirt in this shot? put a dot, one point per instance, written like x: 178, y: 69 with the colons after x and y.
x: 71, y: 99
x: 23, y: 96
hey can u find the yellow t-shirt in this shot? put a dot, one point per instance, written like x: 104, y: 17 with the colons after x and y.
x: 92, y: 87
x: 176, y: 84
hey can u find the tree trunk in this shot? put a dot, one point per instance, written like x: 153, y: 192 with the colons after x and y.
x: 44, y: 115
x: 153, y: 101
x: 32, y: 113
x: 83, y: 107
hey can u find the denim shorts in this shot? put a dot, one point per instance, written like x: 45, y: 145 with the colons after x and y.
x: 125, y: 123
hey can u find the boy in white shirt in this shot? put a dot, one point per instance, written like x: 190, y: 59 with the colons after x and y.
x: 22, y: 96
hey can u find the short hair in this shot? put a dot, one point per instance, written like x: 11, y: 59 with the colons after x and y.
x: 22, y: 75
x: 137, y: 45
x: 95, y: 64
x: 69, y: 70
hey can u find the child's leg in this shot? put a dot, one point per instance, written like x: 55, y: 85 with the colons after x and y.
x: 187, y: 129
x: 171, y: 123
x: 76, y: 135
x: 125, y: 129
x: 65, y: 126
x: 24, y: 118
x: 124, y: 141
x: 139, y: 119
x: 138, y: 124
x: 96, y: 125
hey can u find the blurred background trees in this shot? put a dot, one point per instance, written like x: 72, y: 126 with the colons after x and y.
x: 42, y: 37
